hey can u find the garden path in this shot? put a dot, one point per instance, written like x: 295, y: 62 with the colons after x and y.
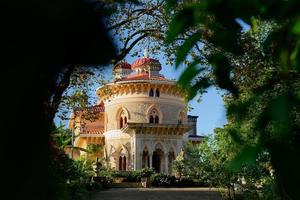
x: 157, y: 194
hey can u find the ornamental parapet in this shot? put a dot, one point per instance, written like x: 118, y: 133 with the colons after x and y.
x: 140, y: 87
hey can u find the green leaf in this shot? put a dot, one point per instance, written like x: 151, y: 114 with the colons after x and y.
x: 200, y: 86
x: 177, y: 26
x: 170, y: 4
x: 279, y: 111
x: 235, y: 136
x: 183, y: 50
x: 188, y: 75
x: 222, y: 72
x: 296, y: 28
x: 188, y: 17
x: 247, y: 156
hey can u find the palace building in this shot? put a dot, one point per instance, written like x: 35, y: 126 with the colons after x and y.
x: 141, y: 119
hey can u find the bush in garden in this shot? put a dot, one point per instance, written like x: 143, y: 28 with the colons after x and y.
x: 146, y: 172
x: 104, y: 176
x: 185, y: 182
x: 161, y: 179
x: 130, y: 176
x: 133, y: 176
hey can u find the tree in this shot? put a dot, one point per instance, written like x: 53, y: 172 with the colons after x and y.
x: 42, y: 43
x: 137, y: 25
x: 209, y: 160
x: 260, y: 70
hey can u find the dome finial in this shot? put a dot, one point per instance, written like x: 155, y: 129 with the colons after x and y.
x: 145, y: 53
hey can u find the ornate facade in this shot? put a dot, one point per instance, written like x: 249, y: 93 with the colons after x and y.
x: 142, y: 118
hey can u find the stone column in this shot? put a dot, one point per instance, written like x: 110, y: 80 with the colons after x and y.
x: 140, y: 160
x: 166, y: 155
x: 150, y: 158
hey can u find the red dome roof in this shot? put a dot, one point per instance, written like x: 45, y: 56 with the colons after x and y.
x: 122, y: 65
x: 143, y: 61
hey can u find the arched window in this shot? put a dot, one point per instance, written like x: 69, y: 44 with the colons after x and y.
x: 122, y: 160
x: 181, y: 117
x: 120, y: 163
x: 151, y: 94
x: 151, y: 120
x: 153, y: 117
x: 121, y: 122
x: 123, y: 119
x: 157, y: 93
x: 156, y: 121
x: 124, y: 163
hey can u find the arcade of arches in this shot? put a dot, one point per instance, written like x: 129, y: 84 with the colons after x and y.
x: 159, y: 160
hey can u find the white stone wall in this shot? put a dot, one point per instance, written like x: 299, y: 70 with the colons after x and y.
x: 138, y: 106
x: 115, y: 141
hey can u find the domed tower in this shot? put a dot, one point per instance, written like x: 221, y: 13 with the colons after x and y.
x: 145, y: 118
x: 121, y: 70
x: 148, y: 66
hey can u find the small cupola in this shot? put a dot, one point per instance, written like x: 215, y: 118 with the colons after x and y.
x: 121, y: 70
x: 147, y: 65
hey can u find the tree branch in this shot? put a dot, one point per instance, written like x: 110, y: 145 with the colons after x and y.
x: 125, y: 51
x: 130, y: 18
x: 58, y: 91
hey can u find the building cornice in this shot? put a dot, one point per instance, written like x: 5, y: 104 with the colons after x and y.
x: 157, y: 129
x: 111, y: 90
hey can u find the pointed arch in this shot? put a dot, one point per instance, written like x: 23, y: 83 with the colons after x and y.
x: 122, y: 117
x: 123, y: 155
x: 127, y: 113
x: 159, y: 145
x: 156, y: 114
x: 153, y: 116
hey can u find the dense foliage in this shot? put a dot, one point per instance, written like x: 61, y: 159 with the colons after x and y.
x: 258, y: 66
x: 208, y: 163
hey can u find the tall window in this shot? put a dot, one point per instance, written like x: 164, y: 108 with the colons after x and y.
x: 122, y: 161
x: 153, y: 117
x: 156, y: 119
x: 121, y: 122
x: 181, y: 117
x: 157, y: 93
x: 123, y: 119
x: 151, y: 93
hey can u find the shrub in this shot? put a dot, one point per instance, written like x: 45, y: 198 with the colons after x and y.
x: 120, y: 173
x: 146, y: 172
x: 185, y: 182
x: 104, y: 177
x: 130, y: 176
x: 133, y: 176
x: 161, y: 179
